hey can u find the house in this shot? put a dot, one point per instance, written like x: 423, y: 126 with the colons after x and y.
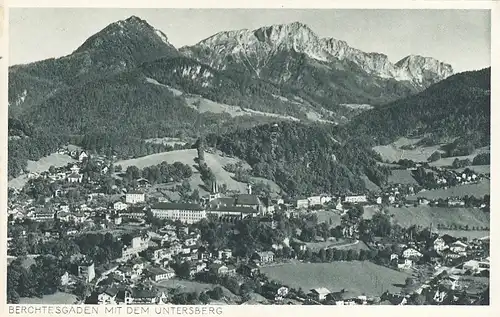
x: 138, y: 296
x: 108, y: 297
x: 249, y: 269
x: 232, y: 213
x: 302, y: 203
x: 314, y: 200
x: 82, y: 156
x: 458, y: 247
x: 394, y: 256
x: 411, y: 253
x: 319, y: 294
x: 356, y: 199
x: 405, y: 264
x: 138, y: 244
x: 265, y: 257
x: 225, y: 254
x: 84, y: 269
x: 120, y: 206
x: 219, y: 269
x: 75, y: 178
x: 158, y: 274
x: 65, y: 279
x: 75, y: 169
x: 135, y: 197
x: 440, y: 244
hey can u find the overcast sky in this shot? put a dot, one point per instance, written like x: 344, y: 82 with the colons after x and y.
x: 458, y: 37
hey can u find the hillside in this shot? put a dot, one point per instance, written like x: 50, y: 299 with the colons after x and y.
x: 302, y: 159
x: 216, y: 163
x: 457, y: 108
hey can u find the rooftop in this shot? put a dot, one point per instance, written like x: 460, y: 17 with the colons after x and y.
x: 174, y: 206
x: 247, y: 199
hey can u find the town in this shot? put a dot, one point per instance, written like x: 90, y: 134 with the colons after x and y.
x: 110, y: 236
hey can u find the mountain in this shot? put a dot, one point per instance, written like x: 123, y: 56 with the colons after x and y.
x: 455, y: 108
x: 119, y: 47
x: 254, y: 50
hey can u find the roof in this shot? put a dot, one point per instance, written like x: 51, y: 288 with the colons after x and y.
x: 321, y: 290
x: 135, y: 192
x: 142, y: 293
x: 74, y: 175
x: 265, y: 253
x: 174, y: 206
x: 227, y: 201
x: 243, y: 210
x: 111, y: 291
x: 448, y: 239
x: 247, y: 199
x: 158, y: 270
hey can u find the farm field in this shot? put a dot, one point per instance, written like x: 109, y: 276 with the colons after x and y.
x: 425, y: 216
x: 42, y: 165
x: 393, y: 152
x: 401, y: 177
x: 58, y: 298
x: 469, y: 234
x: 359, y: 277
x: 478, y: 190
x: 216, y: 163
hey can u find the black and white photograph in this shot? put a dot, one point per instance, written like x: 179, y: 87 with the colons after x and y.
x: 175, y: 156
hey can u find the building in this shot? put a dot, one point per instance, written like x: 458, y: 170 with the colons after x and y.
x: 82, y: 156
x: 440, y: 244
x: 135, y: 197
x: 314, y: 200
x: 319, y: 294
x: 138, y: 244
x: 120, y: 206
x: 225, y: 254
x: 218, y: 269
x: 188, y: 213
x: 85, y: 269
x: 133, y: 213
x: 158, y: 274
x: 356, y: 199
x: 411, y: 253
x: 75, y: 178
x: 302, y: 203
x: 458, y: 247
x: 138, y: 296
x: 265, y: 257
x: 232, y: 213
x: 42, y: 216
x: 248, y: 200
x: 108, y: 297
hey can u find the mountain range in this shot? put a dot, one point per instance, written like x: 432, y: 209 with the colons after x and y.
x: 288, y: 66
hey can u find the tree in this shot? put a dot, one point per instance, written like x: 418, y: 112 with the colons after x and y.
x: 434, y: 156
x: 204, y: 298
x: 217, y: 293
x: 409, y: 281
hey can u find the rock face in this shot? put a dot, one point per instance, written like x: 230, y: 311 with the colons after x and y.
x: 254, y: 48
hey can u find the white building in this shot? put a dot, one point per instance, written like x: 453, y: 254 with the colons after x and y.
x: 120, y: 206
x: 135, y: 197
x: 356, y: 199
x: 188, y: 213
x: 83, y: 155
x: 302, y: 203
x: 411, y: 253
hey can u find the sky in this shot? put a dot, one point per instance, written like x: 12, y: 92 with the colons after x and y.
x: 461, y: 38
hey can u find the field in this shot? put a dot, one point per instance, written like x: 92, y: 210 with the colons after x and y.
x: 357, y: 277
x: 448, y: 161
x: 393, y: 152
x: 469, y: 234
x: 478, y: 190
x: 42, y: 165
x: 185, y: 286
x: 327, y: 215
x: 401, y: 177
x: 425, y: 216
x: 480, y: 169
x: 216, y: 163
x: 58, y: 298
